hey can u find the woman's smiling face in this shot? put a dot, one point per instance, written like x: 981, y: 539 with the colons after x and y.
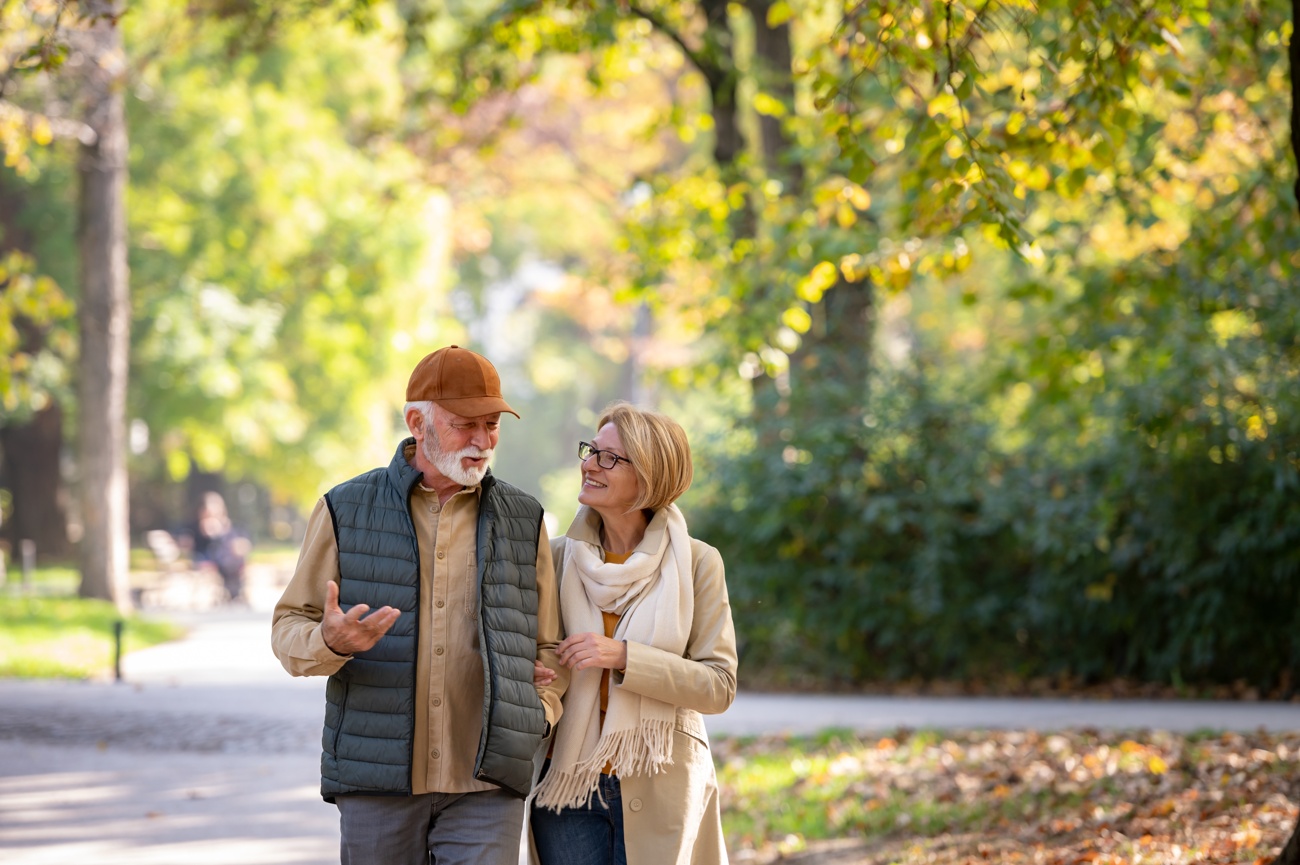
x: 608, y: 491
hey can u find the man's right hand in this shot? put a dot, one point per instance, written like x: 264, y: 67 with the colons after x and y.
x: 348, y: 633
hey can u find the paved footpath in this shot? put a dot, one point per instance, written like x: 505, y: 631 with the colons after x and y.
x: 208, y: 752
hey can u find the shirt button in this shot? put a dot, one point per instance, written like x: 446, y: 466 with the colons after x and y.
x: 441, y: 554
x: 438, y: 650
x: 434, y: 754
x: 635, y: 804
x: 433, y: 509
x: 437, y: 701
x: 438, y: 603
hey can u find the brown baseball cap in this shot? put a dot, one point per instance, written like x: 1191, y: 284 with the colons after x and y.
x: 460, y: 381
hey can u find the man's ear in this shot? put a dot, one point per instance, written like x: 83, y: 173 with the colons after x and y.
x: 415, y: 422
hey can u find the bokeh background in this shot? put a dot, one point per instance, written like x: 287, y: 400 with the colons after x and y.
x: 982, y: 316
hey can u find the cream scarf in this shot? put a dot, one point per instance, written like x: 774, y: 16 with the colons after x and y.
x: 654, y: 593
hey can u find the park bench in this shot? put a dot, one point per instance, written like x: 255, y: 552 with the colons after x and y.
x: 175, y: 583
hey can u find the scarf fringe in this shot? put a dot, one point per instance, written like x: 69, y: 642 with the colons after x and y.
x: 631, y: 752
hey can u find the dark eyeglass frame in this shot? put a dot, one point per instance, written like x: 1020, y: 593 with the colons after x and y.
x: 586, y: 450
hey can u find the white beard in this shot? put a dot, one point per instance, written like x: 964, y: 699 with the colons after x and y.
x: 449, y: 463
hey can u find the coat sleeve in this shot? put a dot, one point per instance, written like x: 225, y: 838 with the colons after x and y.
x: 549, y: 632
x: 704, y: 679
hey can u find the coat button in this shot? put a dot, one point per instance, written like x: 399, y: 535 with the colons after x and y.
x: 635, y: 805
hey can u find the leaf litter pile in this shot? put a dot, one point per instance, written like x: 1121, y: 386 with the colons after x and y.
x: 1009, y: 796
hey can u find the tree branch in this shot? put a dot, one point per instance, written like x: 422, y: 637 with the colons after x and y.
x: 44, y: 43
x: 707, y: 67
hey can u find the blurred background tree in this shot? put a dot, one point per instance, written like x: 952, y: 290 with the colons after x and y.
x: 981, y: 315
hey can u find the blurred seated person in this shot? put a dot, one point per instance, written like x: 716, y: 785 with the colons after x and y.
x: 218, y: 546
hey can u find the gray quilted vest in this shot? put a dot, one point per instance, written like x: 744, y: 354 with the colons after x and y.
x: 370, y: 702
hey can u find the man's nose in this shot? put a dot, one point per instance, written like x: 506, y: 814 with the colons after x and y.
x: 481, y: 438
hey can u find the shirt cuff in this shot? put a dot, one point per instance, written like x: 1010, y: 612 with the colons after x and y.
x: 320, y: 650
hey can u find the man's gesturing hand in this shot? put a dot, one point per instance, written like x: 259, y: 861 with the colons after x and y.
x: 347, y: 634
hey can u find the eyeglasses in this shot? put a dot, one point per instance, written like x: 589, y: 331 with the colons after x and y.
x: 605, y: 459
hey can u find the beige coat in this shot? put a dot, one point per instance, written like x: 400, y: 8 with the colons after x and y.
x: 674, y: 816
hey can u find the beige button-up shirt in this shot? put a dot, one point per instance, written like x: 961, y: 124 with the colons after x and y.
x: 449, y: 669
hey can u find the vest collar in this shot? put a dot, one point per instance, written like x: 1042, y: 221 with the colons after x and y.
x: 401, y: 473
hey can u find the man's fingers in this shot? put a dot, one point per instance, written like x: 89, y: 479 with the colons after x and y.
x: 381, y: 620
x: 332, y: 597
x: 358, y: 611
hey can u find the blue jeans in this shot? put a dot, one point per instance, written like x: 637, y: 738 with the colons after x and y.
x: 592, y: 835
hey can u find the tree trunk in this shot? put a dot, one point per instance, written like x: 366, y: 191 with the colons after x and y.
x: 1294, y: 51
x: 775, y: 75
x: 104, y: 318
x: 1291, y: 852
x: 720, y: 73
x: 30, y: 449
x: 30, y: 470
x: 836, y: 352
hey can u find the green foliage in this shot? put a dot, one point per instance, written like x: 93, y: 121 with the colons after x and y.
x: 284, y: 251
x: 29, y: 367
x: 993, y: 305
x: 1132, y: 512
x: 71, y: 638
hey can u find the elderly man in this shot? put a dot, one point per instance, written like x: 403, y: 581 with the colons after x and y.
x: 425, y: 591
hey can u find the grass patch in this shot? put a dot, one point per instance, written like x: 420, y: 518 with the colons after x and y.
x: 47, y: 580
x: 278, y: 554
x: 935, y: 797
x: 45, y: 637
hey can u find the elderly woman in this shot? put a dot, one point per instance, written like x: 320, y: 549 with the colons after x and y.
x: 651, y: 646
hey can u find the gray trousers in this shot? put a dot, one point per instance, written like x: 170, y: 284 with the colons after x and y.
x: 452, y: 828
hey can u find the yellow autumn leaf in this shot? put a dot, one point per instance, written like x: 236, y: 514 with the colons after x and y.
x: 814, y: 285
x: 779, y: 13
x: 945, y: 103
x: 765, y: 103
x: 845, y: 215
x: 797, y: 319
x: 42, y: 134
x: 1157, y: 765
x: 857, y: 196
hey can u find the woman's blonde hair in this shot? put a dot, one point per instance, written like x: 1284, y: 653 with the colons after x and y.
x: 657, y: 446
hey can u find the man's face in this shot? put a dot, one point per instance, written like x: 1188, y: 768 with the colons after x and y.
x: 461, y: 448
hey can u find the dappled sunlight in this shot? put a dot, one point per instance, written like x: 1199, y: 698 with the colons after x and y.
x: 1013, y: 796
x: 163, y: 807
x: 287, y: 851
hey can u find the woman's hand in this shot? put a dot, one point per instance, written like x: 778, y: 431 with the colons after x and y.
x: 580, y: 651
x: 542, y: 674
